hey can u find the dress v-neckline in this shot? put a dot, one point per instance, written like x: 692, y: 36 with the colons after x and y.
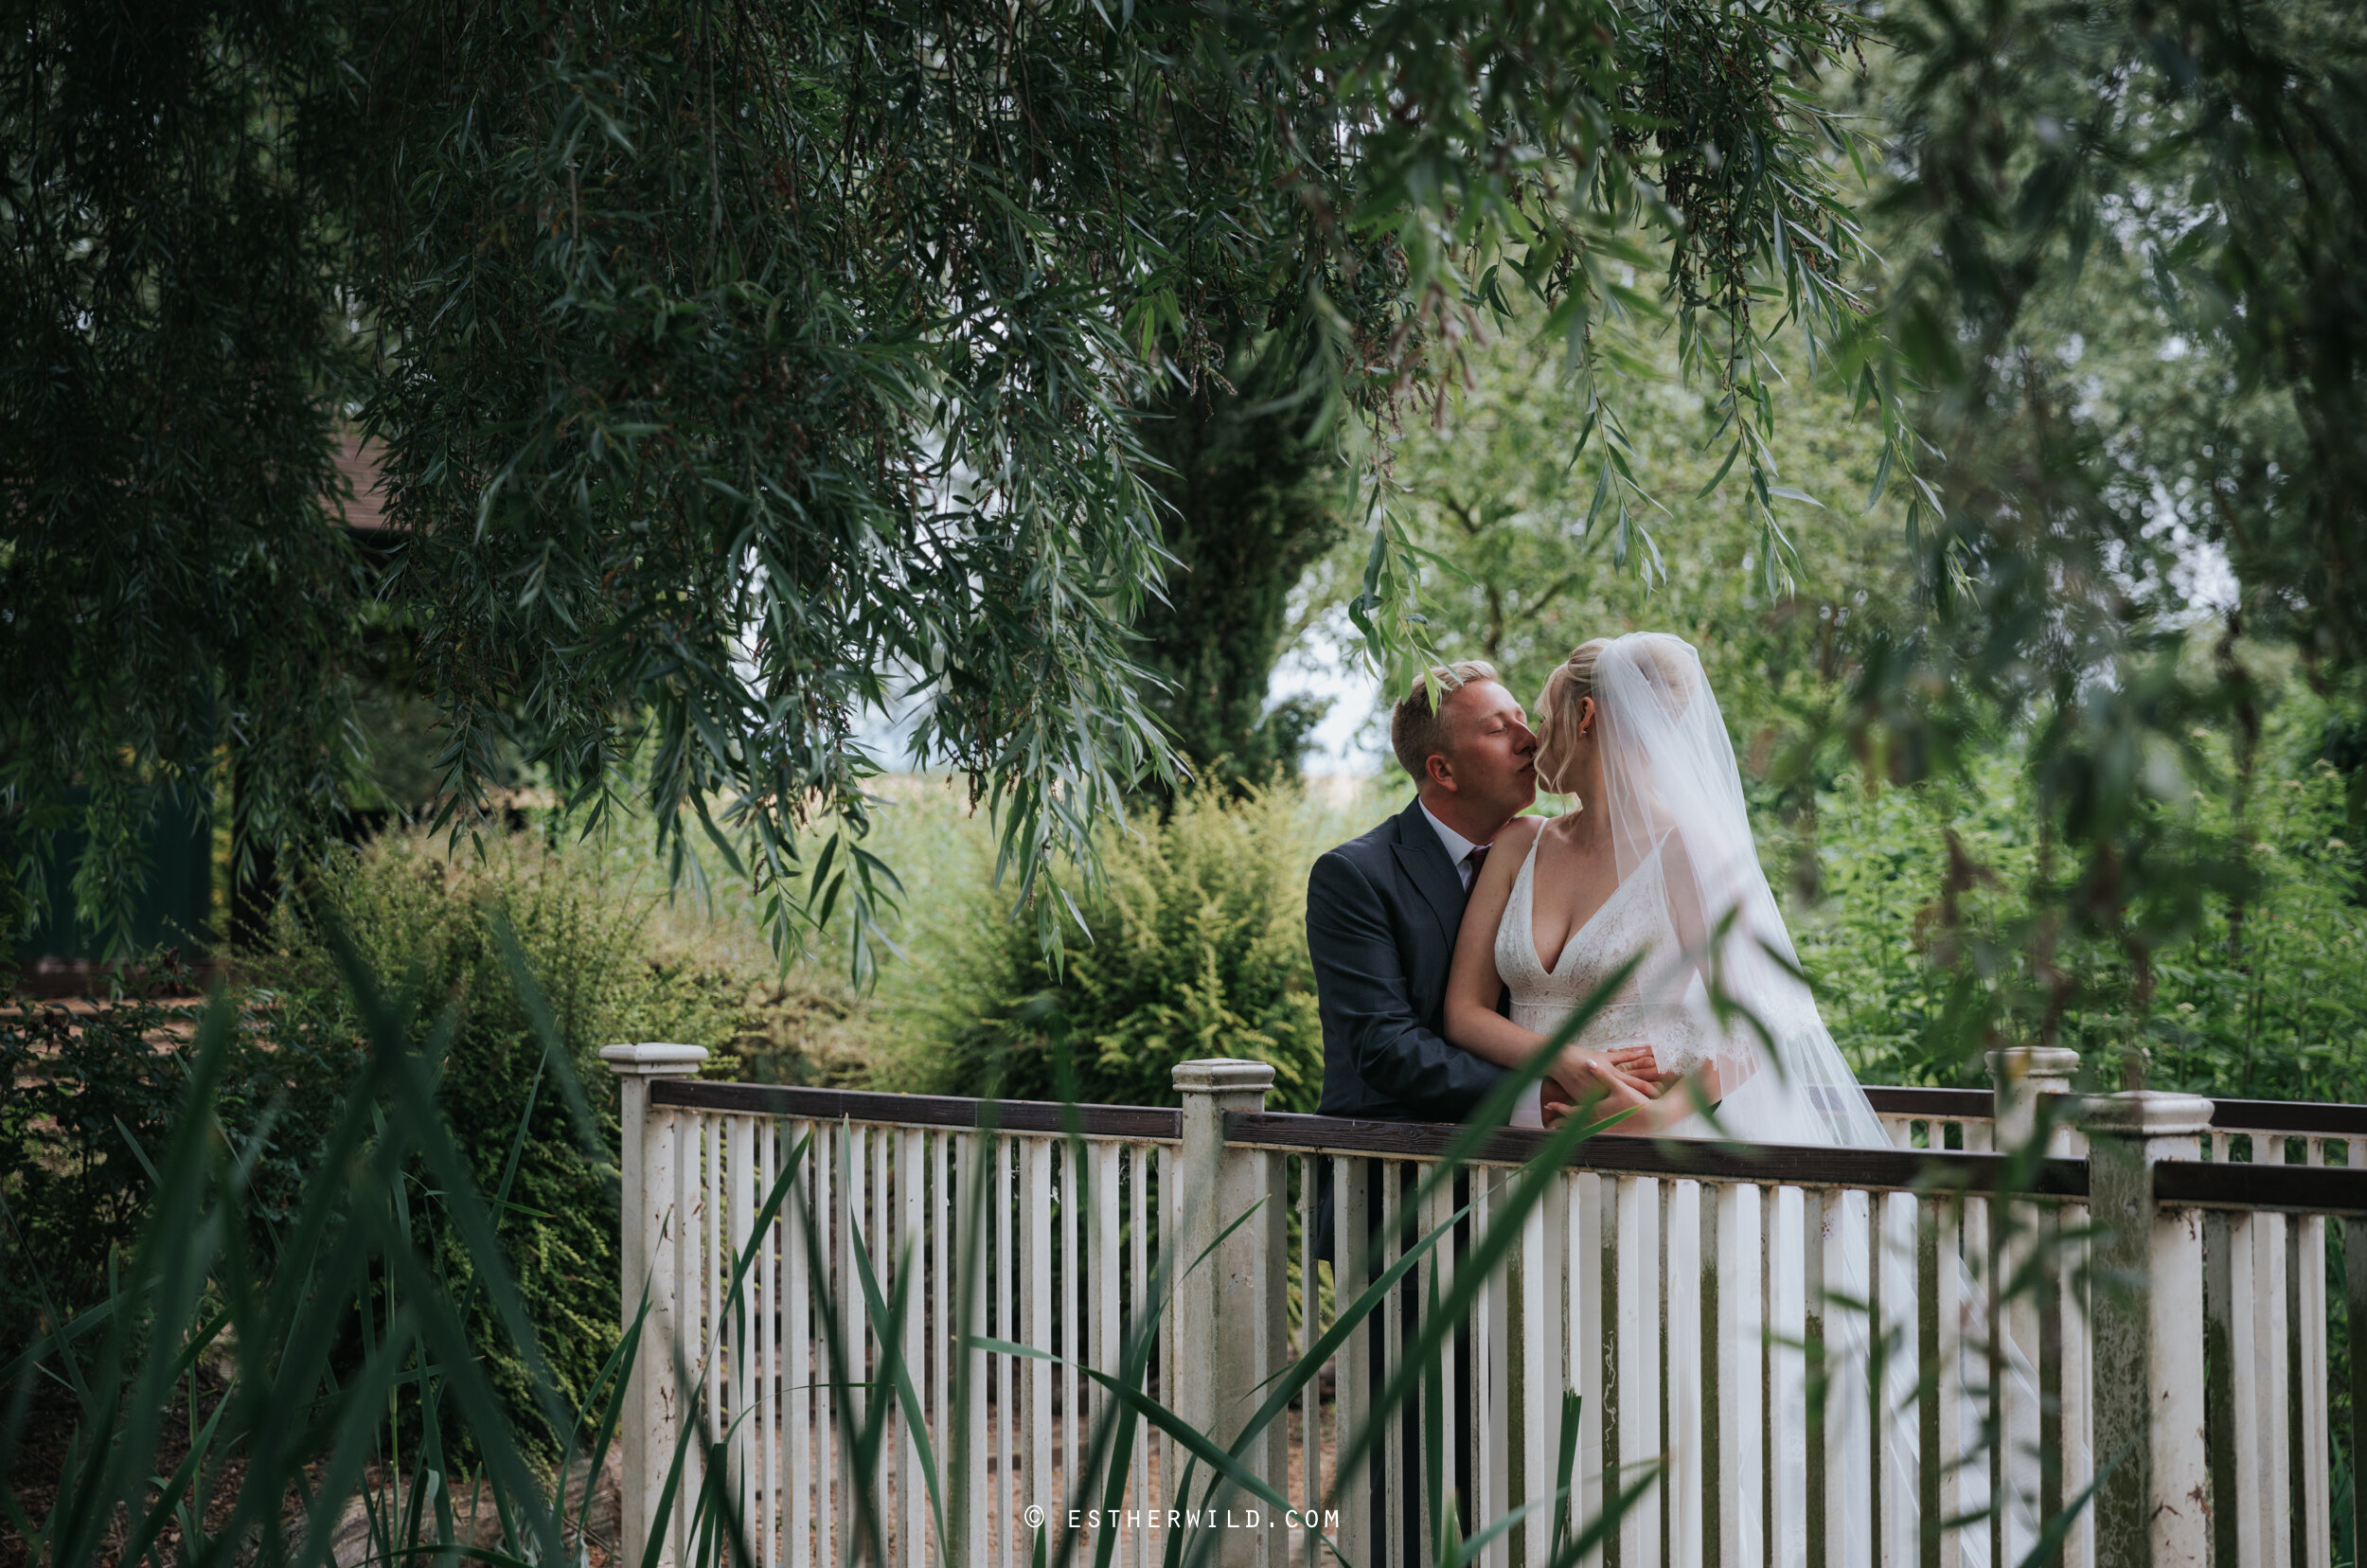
x: 1528, y: 880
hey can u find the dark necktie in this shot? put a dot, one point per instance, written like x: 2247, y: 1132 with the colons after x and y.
x: 1477, y: 858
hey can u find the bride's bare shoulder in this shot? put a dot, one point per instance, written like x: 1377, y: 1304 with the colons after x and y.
x: 1519, y: 835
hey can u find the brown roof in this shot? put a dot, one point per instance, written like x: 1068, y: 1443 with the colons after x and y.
x: 363, y: 464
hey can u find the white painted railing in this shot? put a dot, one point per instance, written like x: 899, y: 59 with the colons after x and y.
x: 1631, y: 1284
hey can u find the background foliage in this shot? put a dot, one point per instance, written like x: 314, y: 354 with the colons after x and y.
x: 94, y: 1094
x: 733, y: 369
x: 1199, y: 950
x: 427, y: 921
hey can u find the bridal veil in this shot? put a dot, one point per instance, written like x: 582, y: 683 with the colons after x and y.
x: 1671, y: 786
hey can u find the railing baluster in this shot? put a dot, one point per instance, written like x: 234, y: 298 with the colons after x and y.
x: 829, y: 1492
x: 2232, y: 1395
x: 1273, y: 1224
x: 2020, y: 1374
x: 1456, y: 1407
x: 1741, y: 1476
x: 1106, y: 1279
x: 1638, y: 1329
x: 912, y: 1485
x: 1041, y: 1486
x: 973, y: 1205
x: 740, y: 1319
x: 2075, y: 1323
x: 1350, y: 1230
x: 667, y: 1322
x: 1529, y: 1376
x: 1008, y: 1283
x: 1069, y: 1274
x: 940, y: 1234
x: 689, y: 1298
x: 1853, y: 1460
x: 1898, y: 1431
x: 1171, y: 1259
x: 1390, y: 1453
x: 879, y: 1237
x: 1696, y: 1372
x: 2306, y: 1270
x: 861, y: 1232
x: 1488, y: 1398
x: 1309, y: 1493
x: 1432, y: 1273
x: 713, y: 1416
x: 771, y: 1324
x: 2275, y: 1481
x: 1982, y: 1384
x: 1592, y: 1346
x: 1787, y: 1394
x: 1945, y: 1495
x: 2355, y: 1303
x: 796, y: 1370
x: 1137, y: 1303
x: 1819, y: 1215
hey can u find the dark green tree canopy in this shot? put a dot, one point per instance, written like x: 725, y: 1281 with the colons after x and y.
x: 733, y: 363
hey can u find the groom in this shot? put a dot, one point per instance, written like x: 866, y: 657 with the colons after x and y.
x: 1382, y: 910
x: 1381, y: 916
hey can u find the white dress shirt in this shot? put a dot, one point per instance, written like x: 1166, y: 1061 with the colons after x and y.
x: 1529, y: 1113
x: 1458, y: 847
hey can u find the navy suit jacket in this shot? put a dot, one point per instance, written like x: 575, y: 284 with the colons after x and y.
x: 1382, y: 912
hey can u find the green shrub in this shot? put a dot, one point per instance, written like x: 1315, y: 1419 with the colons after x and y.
x: 802, y: 1029
x: 88, y: 1096
x: 2257, y: 976
x: 1199, y: 949
x: 413, y: 911
x: 74, y: 1085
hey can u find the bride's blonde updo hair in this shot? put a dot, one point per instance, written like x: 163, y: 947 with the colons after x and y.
x: 1570, y: 684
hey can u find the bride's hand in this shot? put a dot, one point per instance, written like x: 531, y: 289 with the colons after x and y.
x: 1588, y: 1073
x: 1636, y: 1061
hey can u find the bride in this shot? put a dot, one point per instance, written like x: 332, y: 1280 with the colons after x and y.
x: 1713, y: 1032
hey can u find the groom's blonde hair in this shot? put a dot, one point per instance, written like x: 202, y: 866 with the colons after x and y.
x: 1570, y: 684
x: 1418, y: 731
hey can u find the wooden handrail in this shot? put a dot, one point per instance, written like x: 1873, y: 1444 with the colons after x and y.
x: 2312, y: 1188
x: 2299, y: 1119
x: 1932, y: 1104
x: 1141, y: 1122
x: 1871, y: 1170
x: 1788, y: 1165
x: 2253, y: 1185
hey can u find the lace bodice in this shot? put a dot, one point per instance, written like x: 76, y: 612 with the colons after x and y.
x: 1632, y: 921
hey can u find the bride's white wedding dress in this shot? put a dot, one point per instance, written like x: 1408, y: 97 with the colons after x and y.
x: 1674, y: 802
x: 1634, y: 922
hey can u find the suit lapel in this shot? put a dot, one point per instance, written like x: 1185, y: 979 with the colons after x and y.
x: 1424, y: 861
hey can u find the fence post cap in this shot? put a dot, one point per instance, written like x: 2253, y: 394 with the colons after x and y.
x: 650, y: 1058
x: 1222, y: 1073
x: 2146, y: 1113
x: 2034, y: 1061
